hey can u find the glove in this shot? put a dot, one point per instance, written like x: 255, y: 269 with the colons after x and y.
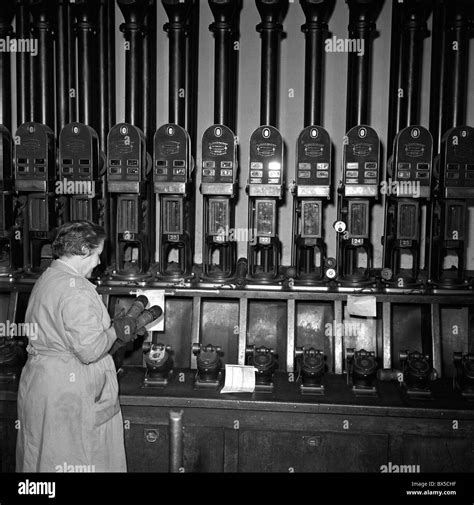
x: 125, y: 328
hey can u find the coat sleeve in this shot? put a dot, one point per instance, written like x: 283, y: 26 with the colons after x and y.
x: 82, y: 319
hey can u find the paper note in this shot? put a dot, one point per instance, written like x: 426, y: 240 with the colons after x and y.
x: 362, y: 305
x: 239, y: 379
x: 155, y: 297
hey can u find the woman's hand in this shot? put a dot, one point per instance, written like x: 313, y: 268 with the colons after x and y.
x: 125, y: 328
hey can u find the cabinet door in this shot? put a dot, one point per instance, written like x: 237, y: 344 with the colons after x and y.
x: 323, y: 451
x: 7, y: 445
x: 203, y: 449
x: 433, y: 454
x: 147, y: 447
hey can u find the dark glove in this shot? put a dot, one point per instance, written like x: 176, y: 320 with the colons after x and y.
x: 125, y: 328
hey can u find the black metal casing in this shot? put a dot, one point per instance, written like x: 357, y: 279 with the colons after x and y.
x: 358, y: 191
x: 35, y: 174
x: 172, y: 177
x: 312, y: 190
x: 80, y: 164
x: 219, y: 189
x: 127, y: 185
x: 455, y: 193
x: 265, y: 190
x: 11, y: 254
x: 409, y: 186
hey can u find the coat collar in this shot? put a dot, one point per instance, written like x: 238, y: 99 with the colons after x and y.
x: 62, y: 265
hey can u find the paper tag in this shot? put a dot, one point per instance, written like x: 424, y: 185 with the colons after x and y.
x: 362, y: 305
x: 239, y: 379
x: 155, y: 297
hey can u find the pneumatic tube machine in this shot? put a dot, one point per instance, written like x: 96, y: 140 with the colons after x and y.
x: 358, y: 191
x: 127, y: 183
x: 450, y: 225
x: 311, y: 191
x: 80, y: 165
x: 35, y: 173
x: 10, y: 234
x: 265, y: 190
x: 409, y: 187
x: 172, y: 176
x: 218, y: 187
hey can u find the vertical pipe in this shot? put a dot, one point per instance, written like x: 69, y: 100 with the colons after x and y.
x: 64, y: 54
x: 72, y: 67
x: 149, y: 75
x: 176, y: 76
x: 439, y: 77
x: 176, y: 437
x: 42, y: 78
x: 106, y: 109
x: 458, y: 53
x: 395, y: 100
x: 105, y: 10
x: 413, y: 17
x: 223, y: 28
x: 111, y: 65
x: 361, y: 27
x: 134, y: 14
x: 176, y: 29
x: 269, y: 84
x: 413, y: 55
x: 271, y: 13
x: 222, y: 65
x: 87, y: 15
x: 23, y: 78
x: 315, y: 30
x: 192, y: 77
x: 234, y: 71
x: 6, y: 17
x: 313, y: 79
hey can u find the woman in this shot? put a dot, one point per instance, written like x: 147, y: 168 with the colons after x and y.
x: 68, y: 407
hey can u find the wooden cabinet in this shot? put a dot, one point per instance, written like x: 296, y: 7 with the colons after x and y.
x: 434, y: 454
x: 147, y: 448
x: 311, y: 451
x: 290, y: 433
x: 8, y: 434
x: 258, y: 433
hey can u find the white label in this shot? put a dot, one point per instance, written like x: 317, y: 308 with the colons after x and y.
x: 239, y: 379
x: 362, y: 306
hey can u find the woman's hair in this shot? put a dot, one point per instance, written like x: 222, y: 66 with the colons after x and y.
x: 77, y: 238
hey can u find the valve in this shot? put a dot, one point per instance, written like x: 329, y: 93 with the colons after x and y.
x: 311, y: 367
x: 361, y: 369
x: 265, y: 361
x: 159, y: 363
x: 209, y: 365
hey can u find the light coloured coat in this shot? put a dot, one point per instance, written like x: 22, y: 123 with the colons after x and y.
x: 68, y: 407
